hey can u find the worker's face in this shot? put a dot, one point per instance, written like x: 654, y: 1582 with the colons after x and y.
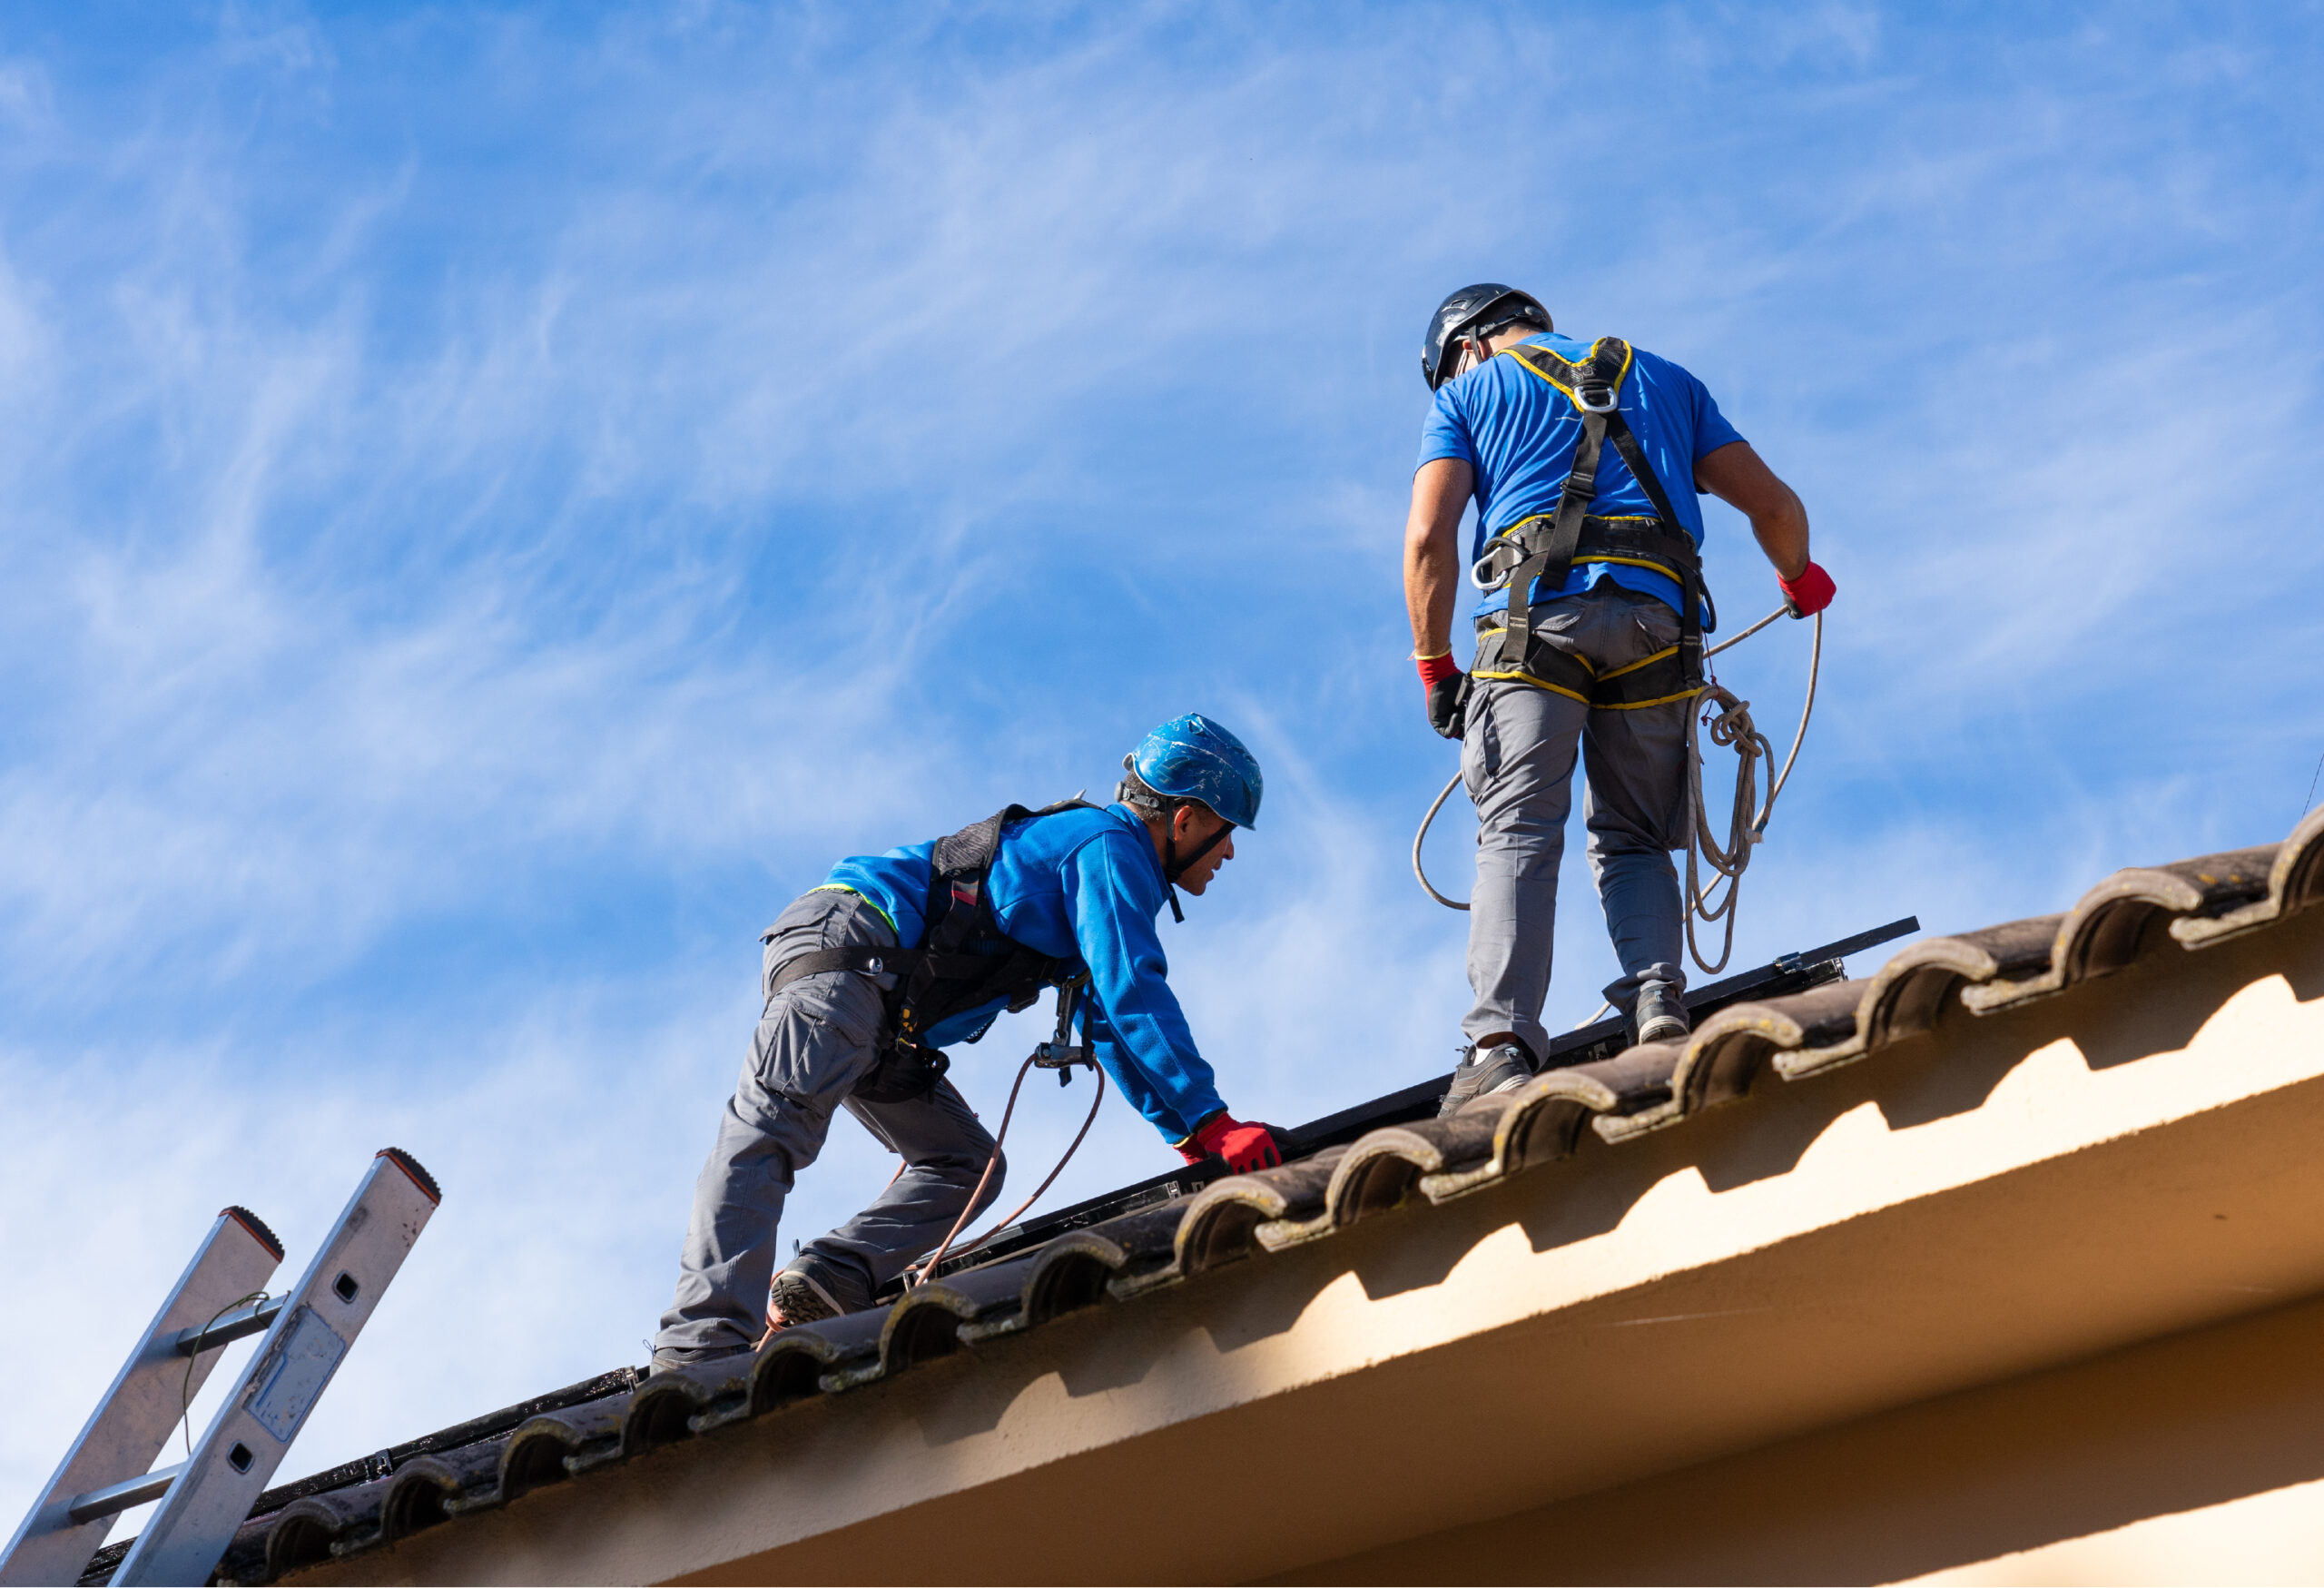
x: 1190, y: 826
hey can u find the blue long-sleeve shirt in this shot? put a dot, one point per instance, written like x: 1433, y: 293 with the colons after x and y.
x: 1085, y: 885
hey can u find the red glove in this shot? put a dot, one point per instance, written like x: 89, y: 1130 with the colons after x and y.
x: 1448, y: 693
x: 1243, y: 1147
x: 1435, y: 670
x: 1809, y: 594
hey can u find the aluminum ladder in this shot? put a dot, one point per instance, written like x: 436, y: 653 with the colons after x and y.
x: 205, y: 1497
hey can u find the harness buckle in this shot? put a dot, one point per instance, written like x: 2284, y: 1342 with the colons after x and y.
x: 1594, y: 397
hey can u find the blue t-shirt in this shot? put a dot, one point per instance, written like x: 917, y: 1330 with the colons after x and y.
x: 1518, y: 432
x: 1082, y: 885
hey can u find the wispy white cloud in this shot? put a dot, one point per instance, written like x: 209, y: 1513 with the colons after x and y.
x: 499, y: 500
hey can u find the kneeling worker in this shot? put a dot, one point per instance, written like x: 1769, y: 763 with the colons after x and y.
x: 870, y: 975
x: 1590, y: 636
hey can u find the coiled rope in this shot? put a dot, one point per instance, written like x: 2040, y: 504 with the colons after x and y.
x: 1729, y: 722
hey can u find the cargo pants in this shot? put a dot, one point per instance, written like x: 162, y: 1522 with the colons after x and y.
x: 817, y: 1038
x: 1517, y: 761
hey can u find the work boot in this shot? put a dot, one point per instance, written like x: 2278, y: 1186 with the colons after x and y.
x: 694, y: 1355
x: 794, y: 1299
x: 1661, y: 1016
x: 1483, y: 1074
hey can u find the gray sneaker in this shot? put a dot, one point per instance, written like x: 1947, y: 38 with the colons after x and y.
x: 1500, y: 1069
x: 795, y: 1299
x: 1662, y: 1017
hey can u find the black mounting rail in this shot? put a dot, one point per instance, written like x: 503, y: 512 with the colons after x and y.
x: 1789, y: 974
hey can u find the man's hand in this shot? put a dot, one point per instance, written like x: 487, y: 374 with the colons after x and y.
x: 1243, y: 1147
x: 1809, y: 591
x: 1448, y: 695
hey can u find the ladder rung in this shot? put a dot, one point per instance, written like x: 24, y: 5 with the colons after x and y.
x: 114, y: 1498
x: 234, y: 1325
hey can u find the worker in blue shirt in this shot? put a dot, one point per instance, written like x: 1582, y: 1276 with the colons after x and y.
x: 1588, y: 638
x: 870, y: 976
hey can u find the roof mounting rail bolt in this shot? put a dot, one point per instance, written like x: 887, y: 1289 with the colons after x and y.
x: 1790, y: 964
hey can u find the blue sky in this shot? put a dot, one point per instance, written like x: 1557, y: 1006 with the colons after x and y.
x: 500, y: 498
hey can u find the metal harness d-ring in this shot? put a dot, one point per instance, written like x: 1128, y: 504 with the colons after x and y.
x: 1584, y: 391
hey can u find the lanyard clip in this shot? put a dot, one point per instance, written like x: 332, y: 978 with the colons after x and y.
x: 1061, y: 1053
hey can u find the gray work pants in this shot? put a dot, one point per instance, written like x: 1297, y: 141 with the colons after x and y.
x: 816, y: 1040
x: 1517, y: 761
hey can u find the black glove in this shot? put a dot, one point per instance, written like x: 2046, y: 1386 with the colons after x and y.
x: 1448, y: 705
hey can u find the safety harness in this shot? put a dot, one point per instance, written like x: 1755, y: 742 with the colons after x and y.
x: 964, y: 960
x: 1545, y: 547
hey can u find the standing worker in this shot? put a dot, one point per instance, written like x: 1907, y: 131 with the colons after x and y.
x: 1570, y: 448
x: 869, y: 976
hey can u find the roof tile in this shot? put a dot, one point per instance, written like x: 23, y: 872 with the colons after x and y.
x: 2295, y: 882
x: 2207, y: 899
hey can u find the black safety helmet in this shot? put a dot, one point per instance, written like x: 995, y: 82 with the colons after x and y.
x: 1469, y: 307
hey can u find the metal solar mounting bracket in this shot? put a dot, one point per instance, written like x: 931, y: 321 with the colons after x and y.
x: 205, y: 1498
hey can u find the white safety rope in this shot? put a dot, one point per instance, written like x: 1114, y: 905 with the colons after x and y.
x: 1729, y: 722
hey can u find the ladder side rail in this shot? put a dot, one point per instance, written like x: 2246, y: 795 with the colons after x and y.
x: 131, y: 1423
x: 246, y: 1442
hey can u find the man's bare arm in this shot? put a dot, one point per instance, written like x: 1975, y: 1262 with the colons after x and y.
x: 1433, y: 552
x: 1735, y: 475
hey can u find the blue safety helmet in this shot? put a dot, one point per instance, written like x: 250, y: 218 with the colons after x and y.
x: 1192, y: 758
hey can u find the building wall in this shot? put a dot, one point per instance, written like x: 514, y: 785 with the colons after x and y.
x: 2187, y: 1459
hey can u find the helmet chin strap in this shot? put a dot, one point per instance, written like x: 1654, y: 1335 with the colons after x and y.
x: 1173, y: 868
